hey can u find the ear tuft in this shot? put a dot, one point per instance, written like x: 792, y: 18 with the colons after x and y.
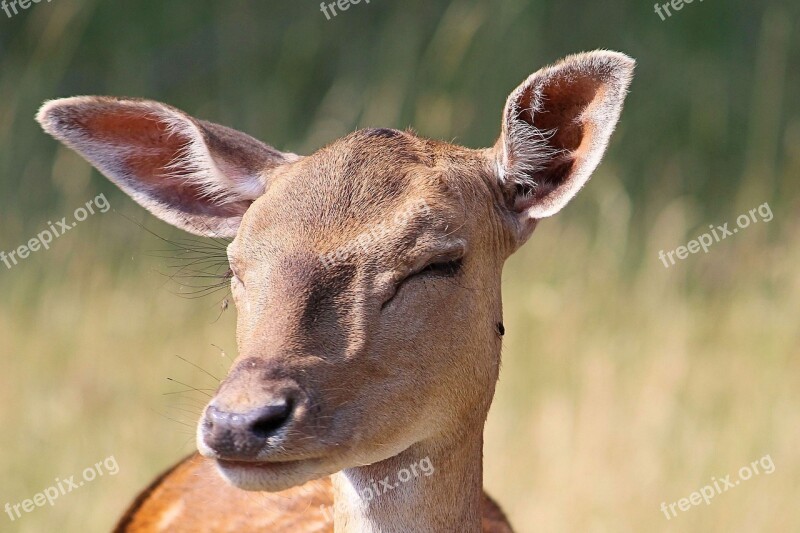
x: 556, y: 127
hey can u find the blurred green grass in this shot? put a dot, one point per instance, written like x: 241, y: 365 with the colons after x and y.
x: 624, y: 384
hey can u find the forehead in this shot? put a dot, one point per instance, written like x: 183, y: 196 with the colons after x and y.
x: 371, y: 177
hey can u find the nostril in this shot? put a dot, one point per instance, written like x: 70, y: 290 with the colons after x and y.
x: 270, y: 419
x: 241, y: 436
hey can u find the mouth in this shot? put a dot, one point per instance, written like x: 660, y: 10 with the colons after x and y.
x: 271, y: 476
x: 270, y: 466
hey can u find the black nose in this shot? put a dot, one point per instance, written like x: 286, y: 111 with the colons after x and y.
x: 241, y: 436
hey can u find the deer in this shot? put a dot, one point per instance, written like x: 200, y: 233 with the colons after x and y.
x: 349, y: 371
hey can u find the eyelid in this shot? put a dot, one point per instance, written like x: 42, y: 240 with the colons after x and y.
x: 232, y: 262
x: 235, y: 273
x: 450, y: 257
x: 437, y: 262
x: 447, y: 256
x: 444, y: 259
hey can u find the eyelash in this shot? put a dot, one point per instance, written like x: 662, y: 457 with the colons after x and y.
x: 200, y: 267
x: 445, y: 269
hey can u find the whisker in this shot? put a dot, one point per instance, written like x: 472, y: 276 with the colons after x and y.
x: 198, y: 367
x: 201, y: 391
x: 204, y: 261
x: 222, y: 352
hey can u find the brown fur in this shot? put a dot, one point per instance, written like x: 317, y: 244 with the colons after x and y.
x: 194, y: 498
x: 385, y: 355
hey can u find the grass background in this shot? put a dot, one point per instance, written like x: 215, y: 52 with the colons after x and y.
x: 624, y: 384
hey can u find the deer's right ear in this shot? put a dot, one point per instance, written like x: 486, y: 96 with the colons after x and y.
x: 194, y: 174
x: 556, y: 127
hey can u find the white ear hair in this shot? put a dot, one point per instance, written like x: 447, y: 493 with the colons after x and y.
x: 556, y: 127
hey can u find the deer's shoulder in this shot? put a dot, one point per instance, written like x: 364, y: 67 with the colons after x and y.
x: 191, y: 497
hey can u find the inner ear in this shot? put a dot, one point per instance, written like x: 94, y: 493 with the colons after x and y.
x: 555, y: 111
x: 564, y: 102
x: 556, y: 127
x: 197, y: 175
x: 158, y: 152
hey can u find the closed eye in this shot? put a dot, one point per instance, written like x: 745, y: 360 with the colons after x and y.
x: 234, y: 277
x: 444, y: 269
x: 436, y: 269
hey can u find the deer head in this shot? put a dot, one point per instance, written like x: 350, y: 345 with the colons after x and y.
x: 366, y: 275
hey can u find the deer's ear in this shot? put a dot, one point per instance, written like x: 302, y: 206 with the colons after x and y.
x: 556, y: 127
x: 196, y: 175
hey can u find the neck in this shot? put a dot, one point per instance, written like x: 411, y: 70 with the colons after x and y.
x: 435, y: 485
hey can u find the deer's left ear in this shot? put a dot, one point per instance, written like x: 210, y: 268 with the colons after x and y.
x: 556, y: 127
